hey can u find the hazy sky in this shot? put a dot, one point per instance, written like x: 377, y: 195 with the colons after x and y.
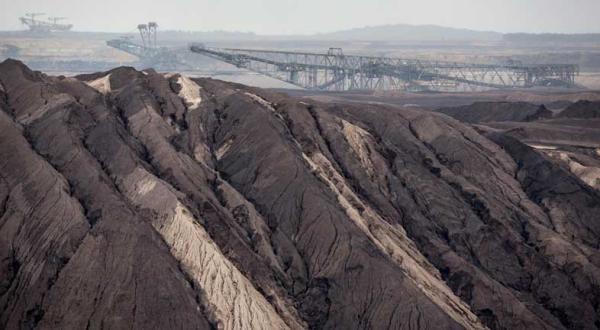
x: 310, y: 16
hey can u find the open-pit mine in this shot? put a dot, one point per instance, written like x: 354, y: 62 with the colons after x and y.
x: 144, y: 200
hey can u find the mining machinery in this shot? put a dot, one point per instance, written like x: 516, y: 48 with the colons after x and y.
x: 39, y: 26
x: 339, y: 72
x: 148, y: 34
x: 153, y: 55
x: 149, y: 53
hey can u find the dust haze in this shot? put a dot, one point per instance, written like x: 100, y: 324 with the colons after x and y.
x: 312, y: 16
x: 245, y: 165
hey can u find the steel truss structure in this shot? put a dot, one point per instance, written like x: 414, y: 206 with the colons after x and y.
x: 149, y: 53
x: 35, y: 25
x: 339, y: 72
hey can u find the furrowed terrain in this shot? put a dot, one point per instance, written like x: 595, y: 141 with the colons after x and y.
x: 134, y: 199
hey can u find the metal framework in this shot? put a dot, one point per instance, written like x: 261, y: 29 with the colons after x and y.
x: 339, y: 72
x: 36, y: 25
x: 149, y: 53
x: 148, y: 34
x: 128, y: 46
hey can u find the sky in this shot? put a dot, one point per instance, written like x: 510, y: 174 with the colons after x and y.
x: 276, y: 17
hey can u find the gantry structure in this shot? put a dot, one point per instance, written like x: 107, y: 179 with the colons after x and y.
x: 38, y: 26
x: 339, y: 72
x: 149, y: 52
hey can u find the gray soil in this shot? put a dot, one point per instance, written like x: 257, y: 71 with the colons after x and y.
x: 139, y: 200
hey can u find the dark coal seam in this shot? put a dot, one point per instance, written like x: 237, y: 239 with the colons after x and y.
x: 354, y: 182
x: 134, y: 308
x: 411, y: 192
x: 10, y: 111
x: 534, y: 195
x: 145, y: 158
x: 157, y: 98
x: 478, y: 206
x: 4, y: 202
x: 349, y: 179
x: 219, y: 172
x: 526, y: 187
x: 105, y: 169
x: 15, y: 267
x: 12, y: 293
x: 473, y: 257
x: 290, y: 134
x: 218, y: 178
x: 199, y: 293
x: 14, y: 261
x: 284, y: 190
x: 215, y: 130
x: 102, y: 288
x: 484, y: 214
x: 59, y: 269
x: 389, y: 155
x: 336, y: 162
x: 195, y: 210
x: 5, y: 91
x: 196, y: 288
x: 107, y: 172
x: 412, y: 195
x: 29, y: 138
x: 86, y: 148
x: 418, y: 239
x: 364, y: 199
x: 313, y: 113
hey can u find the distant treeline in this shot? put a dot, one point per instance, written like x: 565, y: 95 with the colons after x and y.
x: 551, y: 37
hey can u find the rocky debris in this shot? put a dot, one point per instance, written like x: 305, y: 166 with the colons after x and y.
x: 582, y: 109
x: 480, y: 112
x: 139, y: 200
x: 570, y: 144
x: 587, y: 168
x: 563, y: 133
x: 569, y: 139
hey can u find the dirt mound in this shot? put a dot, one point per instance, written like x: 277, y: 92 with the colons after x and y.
x: 138, y: 200
x: 570, y: 139
x: 481, y: 112
x: 582, y: 109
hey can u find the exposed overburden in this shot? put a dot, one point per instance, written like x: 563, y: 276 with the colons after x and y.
x: 140, y: 200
